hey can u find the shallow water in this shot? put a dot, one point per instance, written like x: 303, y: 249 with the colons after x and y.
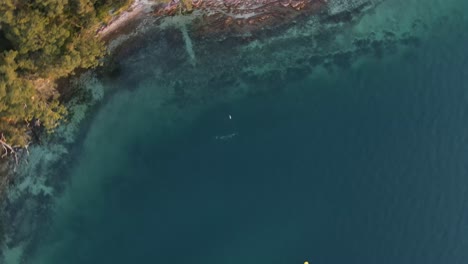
x: 356, y: 162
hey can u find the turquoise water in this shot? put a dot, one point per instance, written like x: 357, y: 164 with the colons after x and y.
x: 362, y: 160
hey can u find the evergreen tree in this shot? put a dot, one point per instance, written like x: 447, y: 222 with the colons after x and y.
x: 46, y: 39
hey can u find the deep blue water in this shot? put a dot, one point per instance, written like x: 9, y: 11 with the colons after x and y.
x: 365, y: 165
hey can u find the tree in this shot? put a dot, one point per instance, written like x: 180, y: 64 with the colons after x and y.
x: 20, y: 105
x: 46, y: 39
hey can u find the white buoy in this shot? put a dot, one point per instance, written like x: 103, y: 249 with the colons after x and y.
x: 230, y: 117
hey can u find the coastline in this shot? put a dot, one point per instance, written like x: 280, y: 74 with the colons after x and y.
x: 10, y: 170
x: 112, y: 33
x: 136, y: 9
x: 7, y: 165
x: 210, y: 19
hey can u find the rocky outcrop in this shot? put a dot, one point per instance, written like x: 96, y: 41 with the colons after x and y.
x: 246, y: 16
x: 238, y: 8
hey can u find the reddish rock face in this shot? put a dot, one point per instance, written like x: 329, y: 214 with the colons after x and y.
x: 240, y: 16
x: 240, y: 5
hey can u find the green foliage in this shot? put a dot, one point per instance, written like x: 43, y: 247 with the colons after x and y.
x: 50, y: 36
x: 46, y: 39
x: 20, y: 104
x: 187, y: 5
x: 105, y: 8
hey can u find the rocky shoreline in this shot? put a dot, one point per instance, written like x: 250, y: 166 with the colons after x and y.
x: 212, y: 18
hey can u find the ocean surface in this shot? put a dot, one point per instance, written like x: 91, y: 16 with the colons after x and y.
x: 360, y: 162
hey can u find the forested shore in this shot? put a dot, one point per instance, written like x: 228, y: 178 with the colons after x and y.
x: 43, y: 41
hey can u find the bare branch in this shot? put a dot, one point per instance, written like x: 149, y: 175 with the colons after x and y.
x: 6, y: 151
x: 5, y: 145
x: 7, y: 148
